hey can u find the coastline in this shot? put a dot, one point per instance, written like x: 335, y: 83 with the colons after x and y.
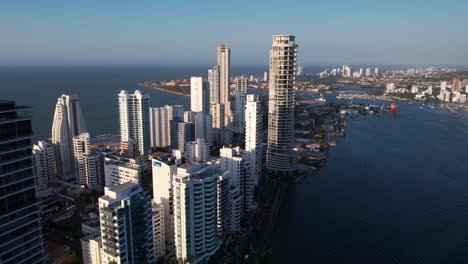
x: 162, y: 89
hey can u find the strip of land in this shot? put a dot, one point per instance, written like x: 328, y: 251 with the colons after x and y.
x: 179, y: 90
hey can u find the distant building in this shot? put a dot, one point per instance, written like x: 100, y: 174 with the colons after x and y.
x: 390, y: 88
x: 214, y: 82
x: 88, y: 164
x: 126, y: 210
x: 68, y: 122
x: 300, y: 71
x: 224, y: 62
x: 199, y: 95
x: 265, y: 76
x: 241, y: 83
x: 160, y: 123
x: 44, y: 165
x: 368, y: 72
x: 443, y: 86
x: 239, y: 116
x: 134, y: 111
x: 456, y: 85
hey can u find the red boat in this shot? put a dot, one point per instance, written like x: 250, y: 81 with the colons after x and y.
x: 393, y: 108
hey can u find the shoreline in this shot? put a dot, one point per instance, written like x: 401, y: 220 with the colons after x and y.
x: 161, y: 89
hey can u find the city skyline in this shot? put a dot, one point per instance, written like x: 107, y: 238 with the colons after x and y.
x: 421, y: 32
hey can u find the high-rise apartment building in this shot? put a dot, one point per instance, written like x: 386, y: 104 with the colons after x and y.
x: 241, y: 83
x: 125, y: 213
x: 280, y: 156
x: 239, y: 106
x: 224, y: 63
x: 20, y: 225
x: 199, y: 95
x: 195, y: 208
x: 203, y: 127
x: 164, y: 168
x: 159, y: 241
x: 44, y: 165
x: 456, y: 85
x: 197, y: 151
x: 253, y: 137
x: 68, y: 122
x: 214, y: 82
x: 81, y: 150
x: 88, y: 163
x: 134, y: 119
x: 160, y: 123
x: 118, y: 170
x: 186, y: 133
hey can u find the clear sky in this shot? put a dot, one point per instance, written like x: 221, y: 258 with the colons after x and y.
x: 186, y: 32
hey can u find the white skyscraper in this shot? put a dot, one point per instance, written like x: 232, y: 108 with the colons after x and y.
x: 88, y: 164
x: 390, y: 88
x: 253, y: 137
x: 224, y: 63
x: 44, y: 165
x: 368, y: 72
x: 199, y: 95
x: 160, y: 123
x: 233, y: 160
x: 134, y: 119
x: 126, y: 225
x: 265, y: 76
x: 195, y: 208
x: 280, y: 156
x: 81, y: 150
x: 164, y: 168
x: 68, y: 122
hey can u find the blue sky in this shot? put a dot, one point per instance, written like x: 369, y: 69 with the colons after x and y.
x: 186, y: 32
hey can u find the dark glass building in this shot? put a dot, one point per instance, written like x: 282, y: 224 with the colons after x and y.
x: 20, y: 226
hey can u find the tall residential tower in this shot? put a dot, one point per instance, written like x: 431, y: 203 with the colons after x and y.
x: 280, y: 156
x: 134, y: 119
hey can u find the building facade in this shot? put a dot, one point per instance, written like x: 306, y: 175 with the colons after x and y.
x: 21, y: 231
x: 68, y: 122
x: 280, y: 156
x: 134, y: 119
x: 126, y: 225
x: 195, y: 208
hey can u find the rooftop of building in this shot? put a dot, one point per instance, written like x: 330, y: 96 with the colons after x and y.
x: 123, y: 161
x: 164, y: 157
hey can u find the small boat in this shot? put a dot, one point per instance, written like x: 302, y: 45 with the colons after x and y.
x: 393, y: 108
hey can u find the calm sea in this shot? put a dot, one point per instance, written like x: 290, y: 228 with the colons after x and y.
x: 394, y: 190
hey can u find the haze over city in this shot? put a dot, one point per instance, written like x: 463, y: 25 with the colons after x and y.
x: 185, y: 32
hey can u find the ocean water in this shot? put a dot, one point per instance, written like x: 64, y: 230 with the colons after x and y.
x: 394, y: 190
